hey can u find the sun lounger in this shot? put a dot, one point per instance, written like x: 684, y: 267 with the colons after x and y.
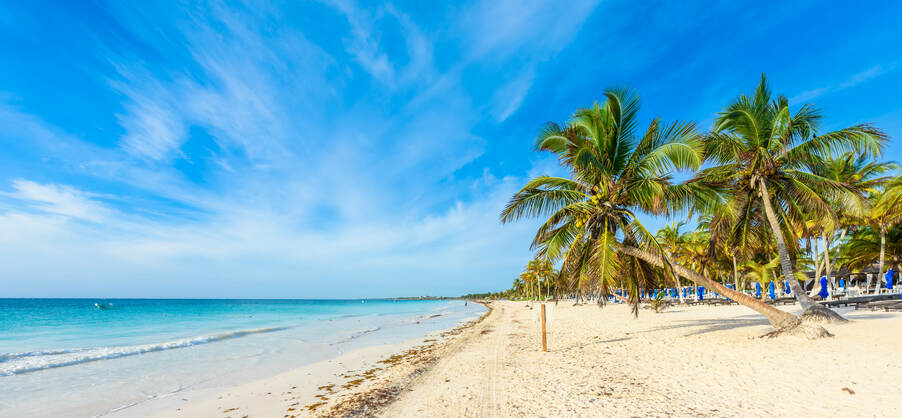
x: 859, y: 300
x: 785, y: 301
x: 882, y: 304
x: 717, y: 301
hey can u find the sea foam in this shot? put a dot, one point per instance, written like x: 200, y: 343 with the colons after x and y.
x: 18, y: 363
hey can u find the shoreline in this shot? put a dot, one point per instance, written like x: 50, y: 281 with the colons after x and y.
x: 356, y: 377
x: 684, y: 361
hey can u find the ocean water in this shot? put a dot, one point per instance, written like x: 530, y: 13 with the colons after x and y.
x: 69, y: 357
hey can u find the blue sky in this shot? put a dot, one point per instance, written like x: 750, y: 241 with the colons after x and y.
x: 342, y: 149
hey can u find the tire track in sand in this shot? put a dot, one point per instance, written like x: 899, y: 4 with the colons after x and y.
x: 494, y: 368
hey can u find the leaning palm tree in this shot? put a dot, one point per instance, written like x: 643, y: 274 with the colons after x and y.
x: 761, y: 154
x: 616, y: 172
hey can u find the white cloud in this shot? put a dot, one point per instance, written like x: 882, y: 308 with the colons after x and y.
x: 509, y: 98
x: 451, y: 245
x: 498, y: 28
x: 852, y: 81
x: 363, y: 42
x: 154, y: 131
x: 306, y: 189
x: 59, y: 200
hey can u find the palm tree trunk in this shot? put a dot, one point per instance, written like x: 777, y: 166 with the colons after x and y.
x: 676, y: 279
x: 818, y: 259
x: 818, y: 268
x: 819, y: 263
x: 842, y: 236
x: 778, y: 319
x: 882, y: 252
x: 827, y: 266
x: 804, y: 300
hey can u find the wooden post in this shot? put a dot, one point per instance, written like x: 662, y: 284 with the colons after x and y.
x: 544, y: 343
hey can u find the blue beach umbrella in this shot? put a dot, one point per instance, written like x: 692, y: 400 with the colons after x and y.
x: 823, y: 293
x: 701, y: 293
x: 889, y: 279
x: 842, y: 284
x: 786, y: 287
x: 758, y: 290
x: 772, y: 292
x: 684, y: 293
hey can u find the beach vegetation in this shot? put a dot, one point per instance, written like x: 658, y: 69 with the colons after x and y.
x: 616, y: 172
x: 770, y: 193
x: 762, y: 156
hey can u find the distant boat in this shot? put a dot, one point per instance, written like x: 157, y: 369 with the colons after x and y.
x: 103, y: 307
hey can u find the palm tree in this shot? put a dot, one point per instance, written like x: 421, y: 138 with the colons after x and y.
x: 542, y: 272
x: 671, y: 239
x: 762, y: 154
x: 518, y: 286
x: 527, y: 278
x: 866, y: 244
x: 615, y: 173
x: 762, y: 272
x: 886, y: 213
x: 864, y: 177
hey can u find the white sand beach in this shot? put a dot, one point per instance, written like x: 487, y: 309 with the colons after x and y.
x: 685, y: 361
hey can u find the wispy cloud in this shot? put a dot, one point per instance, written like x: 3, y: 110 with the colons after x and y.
x: 334, y: 148
x: 59, y: 200
x: 501, y: 28
x: 248, y: 151
x: 363, y: 42
x: 509, y: 98
x: 854, y: 80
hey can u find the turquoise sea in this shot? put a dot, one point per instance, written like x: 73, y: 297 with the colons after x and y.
x: 89, y: 357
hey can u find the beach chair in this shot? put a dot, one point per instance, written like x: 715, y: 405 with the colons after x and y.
x: 883, y: 304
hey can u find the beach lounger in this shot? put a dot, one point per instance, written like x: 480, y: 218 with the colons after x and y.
x: 882, y: 304
x: 784, y: 301
x: 859, y: 301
